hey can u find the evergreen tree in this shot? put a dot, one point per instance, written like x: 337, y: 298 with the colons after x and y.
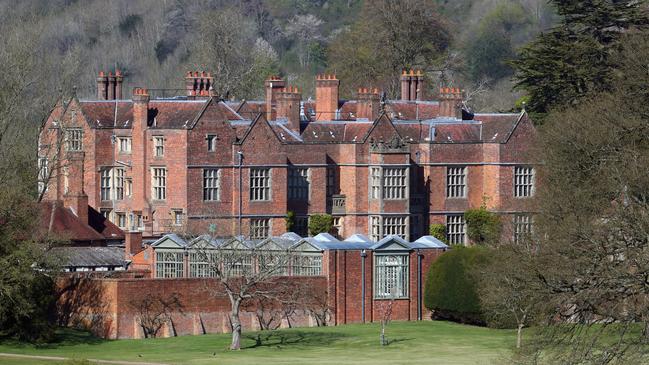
x: 574, y: 59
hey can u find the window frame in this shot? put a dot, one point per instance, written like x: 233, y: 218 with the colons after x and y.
x: 256, y: 225
x: 456, y: 182
x: 212, y: 193
x: 260, y: 187
x: 159, y: 183
x: 158, y: 146
x: 451, y: 234
x: 298, y: 184
x: 176, y: 267
x: 524, y: 178
x: 382, y: 275
x: 73, y: 139
x: 124, y: 141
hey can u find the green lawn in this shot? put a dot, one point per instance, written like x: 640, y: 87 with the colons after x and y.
x: 411, y: 343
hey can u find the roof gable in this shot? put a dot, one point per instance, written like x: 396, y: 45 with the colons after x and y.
x: 391, y: 243
x: 382, y: 129
x: 169, y: 241
x: 259, y: 127
x: 305, y: 246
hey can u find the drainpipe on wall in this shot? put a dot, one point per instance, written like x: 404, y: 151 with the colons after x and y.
x: 363, y: 256
x: 419, y: 256
x: 240, y: 165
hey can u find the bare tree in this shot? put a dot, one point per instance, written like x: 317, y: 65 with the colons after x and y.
x: 246, y: 270
x: 385, y: 310
x: 154, y: 311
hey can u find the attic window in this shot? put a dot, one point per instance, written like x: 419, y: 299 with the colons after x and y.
x: 211, y: 142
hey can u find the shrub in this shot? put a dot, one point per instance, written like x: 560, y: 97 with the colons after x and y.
x: 290, y: 220
x: 438, y: 231
x: 450, y: 291
x: 482, y: 226
x: 320, y: 223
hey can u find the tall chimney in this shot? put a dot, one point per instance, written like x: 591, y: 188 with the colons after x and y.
x: 450, y: 102
x: 111, y: 86
x: 405, y: 85
x: 140, y: 150
x: 272, y: 85
x: 419, y: 78
x: 326, y: 95
x: 119, y: 79
x: 288, y: 106
x: 75, y: 197
x: 368, y: 104
x: 102, y: 86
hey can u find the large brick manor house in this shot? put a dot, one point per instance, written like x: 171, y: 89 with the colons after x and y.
x: 379, y: 167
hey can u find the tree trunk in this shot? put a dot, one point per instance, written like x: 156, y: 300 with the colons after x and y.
x: 519, y: 335
x: 236, y: 326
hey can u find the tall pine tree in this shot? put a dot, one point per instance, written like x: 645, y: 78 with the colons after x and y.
x: 574, y: 59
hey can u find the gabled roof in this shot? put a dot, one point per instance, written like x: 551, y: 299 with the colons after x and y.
x: 428, y: 242
x: 391, y: 243
x: 171, y: 240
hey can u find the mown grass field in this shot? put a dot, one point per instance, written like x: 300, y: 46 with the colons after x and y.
x: 410, y: 343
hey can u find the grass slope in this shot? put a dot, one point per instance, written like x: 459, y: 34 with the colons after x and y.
x: 411, y: 343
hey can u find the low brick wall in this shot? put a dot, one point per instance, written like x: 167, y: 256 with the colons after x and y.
x: 111, y: 307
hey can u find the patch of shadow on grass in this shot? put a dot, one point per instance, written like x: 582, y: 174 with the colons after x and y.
x: 282, y: 338
x: 63, y: 337
x: 397, y: 340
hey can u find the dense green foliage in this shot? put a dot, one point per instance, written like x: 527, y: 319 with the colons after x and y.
x: 575, y: 59
x: 290, y: 220
x: 482, y: 226
x: 438, y: 231
x: 450, y: 290
x: 345, y: 344
x: 320, y: 223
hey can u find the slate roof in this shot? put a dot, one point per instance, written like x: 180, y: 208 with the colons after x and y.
x: 90, y: 256
x: 416, y: 121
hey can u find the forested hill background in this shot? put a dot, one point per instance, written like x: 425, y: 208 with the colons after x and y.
x: 462, y: 43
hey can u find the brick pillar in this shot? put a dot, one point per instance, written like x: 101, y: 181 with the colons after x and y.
x: 76, y: 198
x: 326, y: 95
x: 102, y: 86
x: 139, y: 148
x: 368, y: 104
x: 450, y: 102
x: 405, y: 85
x: 288, y: 106
x: 341, y: 290
x: 272, y: 86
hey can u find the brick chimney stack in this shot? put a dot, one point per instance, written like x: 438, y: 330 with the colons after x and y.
x: 288, y: 106
x: 450, y: 102
x: 412, y: 85
x: 75, y: 196
x: 132, y: 243
x: 199, y: 84
x: 326, y: 95
x: 119, y: 79
x: 368, y: 103
x: 109, y: 87
x: 102, y: 86
x: 273, y: 85
x: 139, y: 147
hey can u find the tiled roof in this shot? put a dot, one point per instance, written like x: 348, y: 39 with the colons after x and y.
x: 108, y: 113
x: 416, y: 121
x: 64, y: 223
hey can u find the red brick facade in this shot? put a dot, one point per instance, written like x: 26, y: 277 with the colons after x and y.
x: 339, y: 145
